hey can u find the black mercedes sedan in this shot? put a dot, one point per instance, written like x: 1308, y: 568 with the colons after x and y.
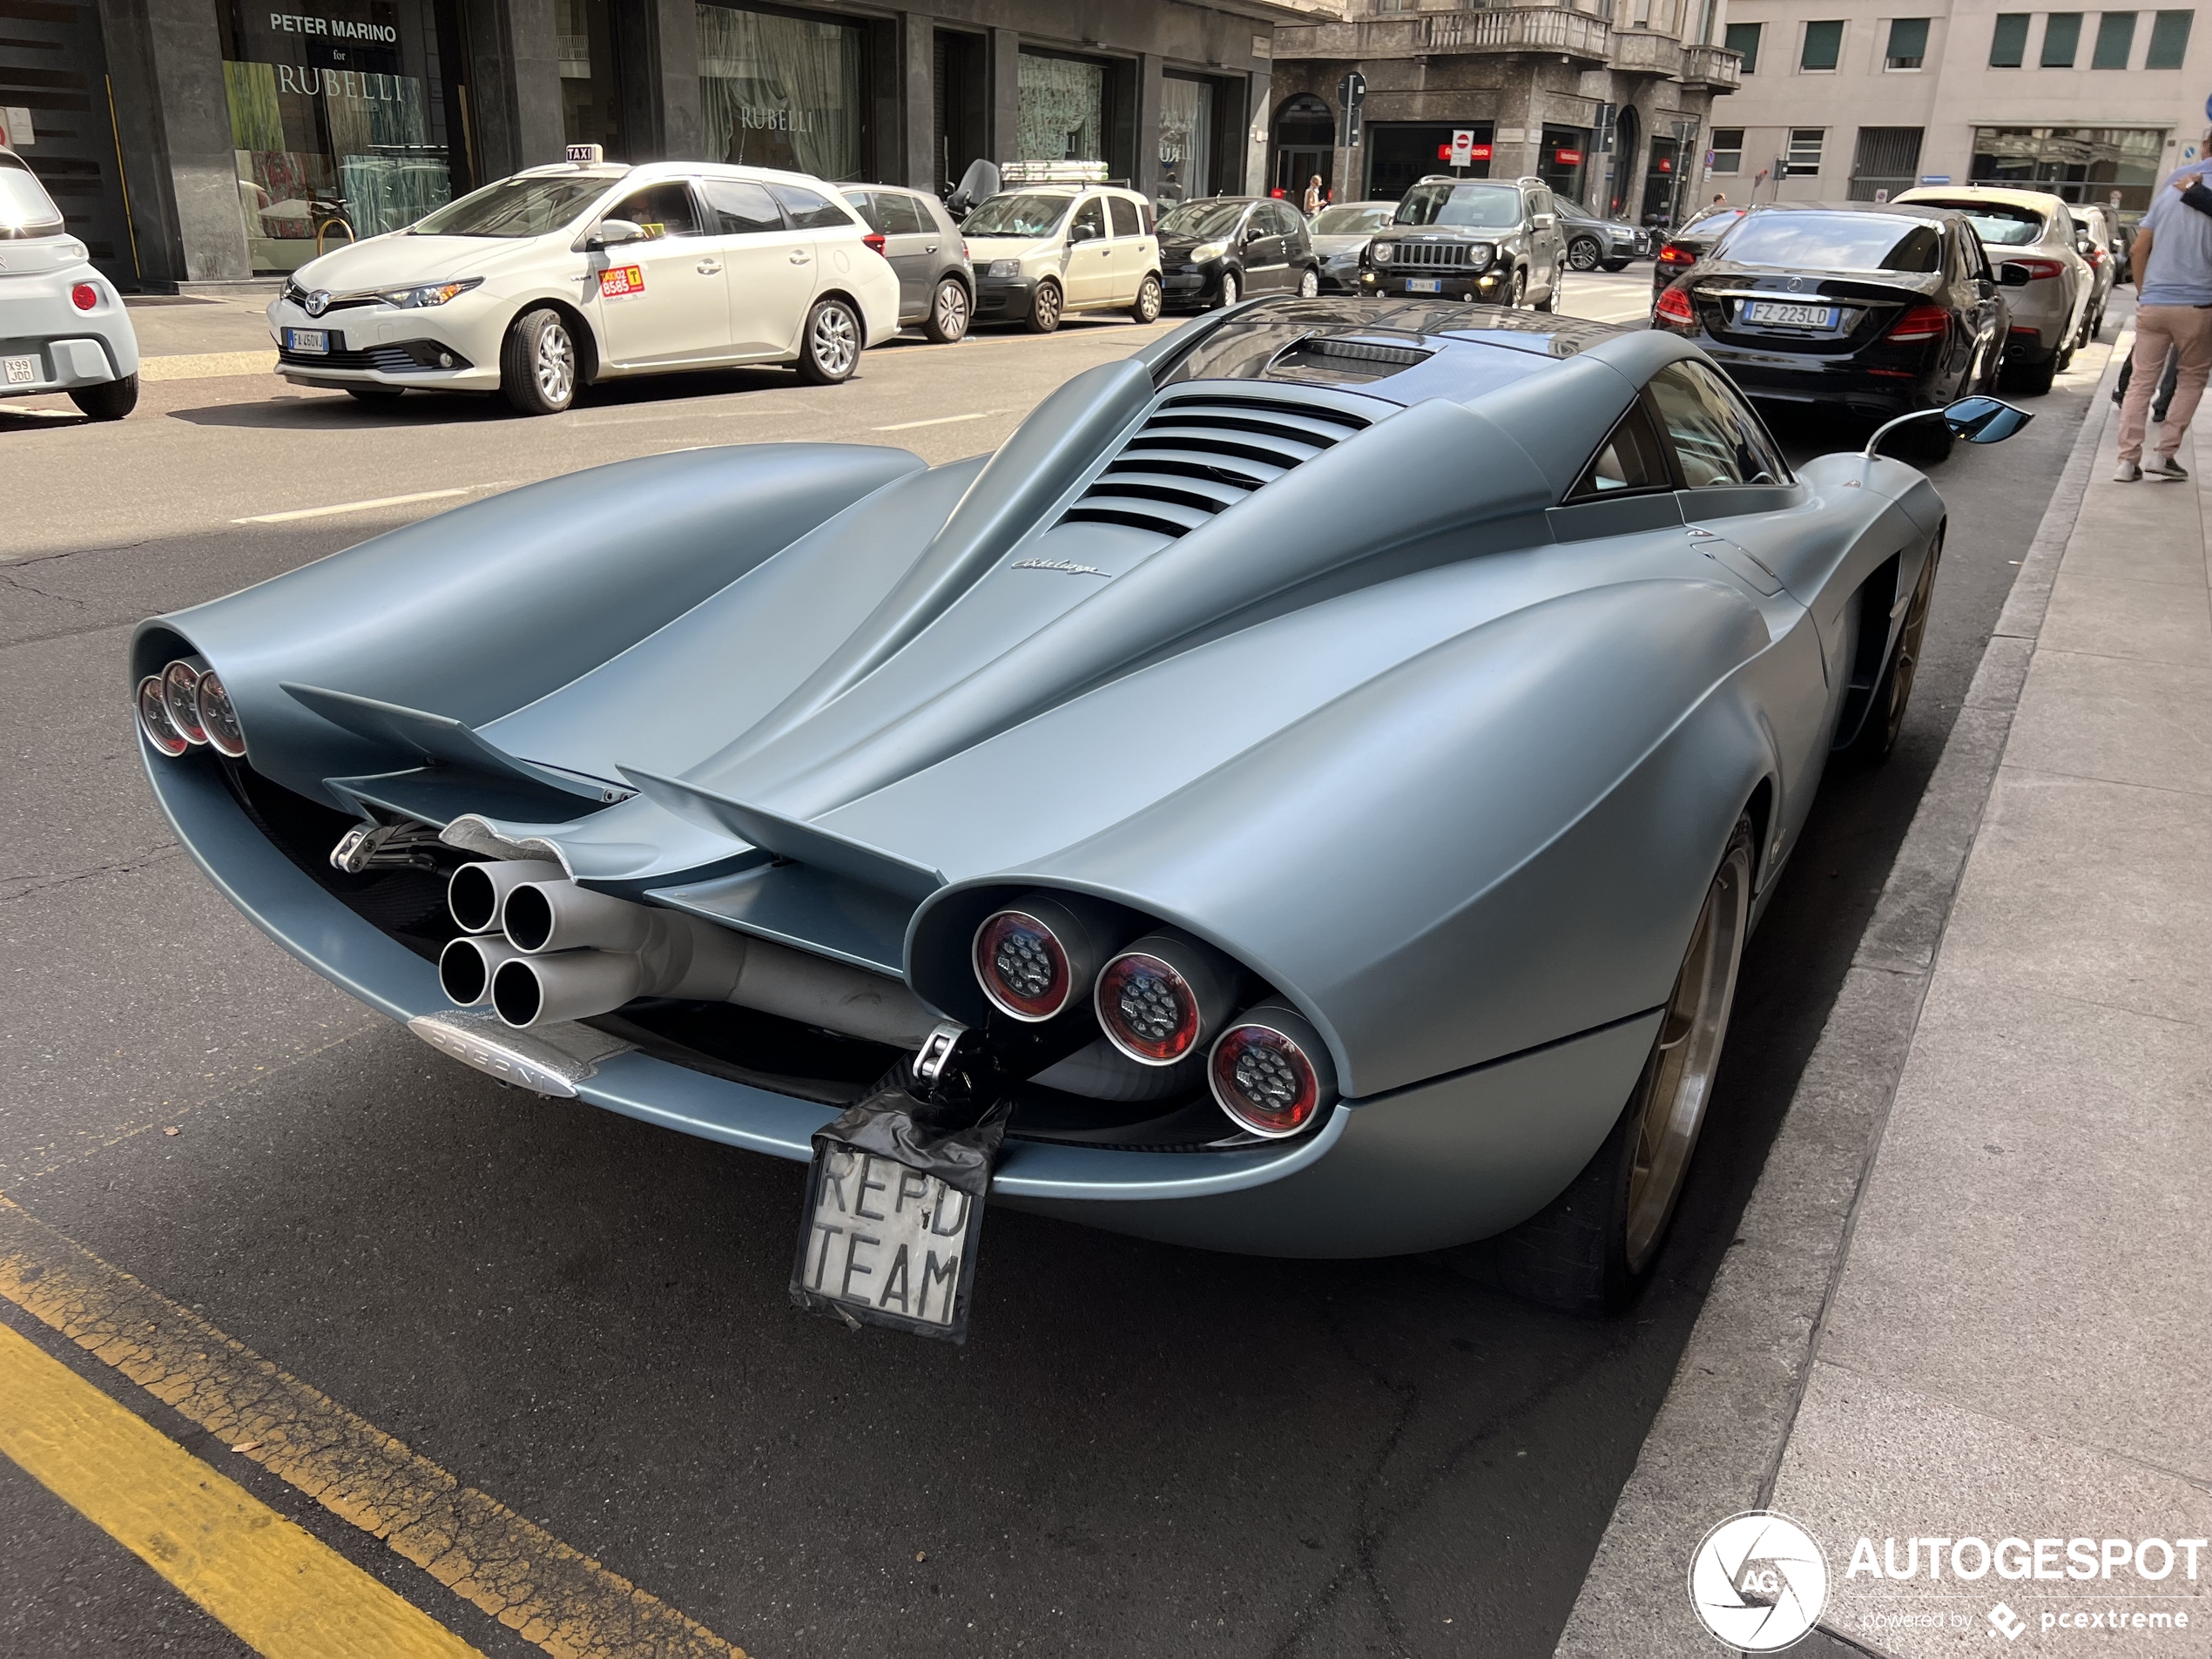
x: 1216, y: 250
x: 1873, y: 310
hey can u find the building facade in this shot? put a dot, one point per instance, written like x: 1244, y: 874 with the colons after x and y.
x: 1854, y: 99
x: 1606, y: 100
x: 194, y: 141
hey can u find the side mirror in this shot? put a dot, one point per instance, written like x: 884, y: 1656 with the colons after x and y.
x: 613, y: 232
x: 1082, y: 234
x: 1985, y: 420
x: 2013, y: 274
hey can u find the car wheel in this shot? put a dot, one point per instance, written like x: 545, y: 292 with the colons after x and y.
x: 537, y: 363
x: 1617, y: 264
x: 375, y: 394
x: 1550, y: 301
x: 1229, y: 294
x: 1885, y: 718
x: 949, y: 312
x: 109, y: 401
x: 1519, y: 290
x: 2031, y: 380
x: 1044, y: 308
x: 1309, y: 285
x: 1147, y: 308
x: 829, y: 349
x: 1591, y: 1249
x: 1584, y: 254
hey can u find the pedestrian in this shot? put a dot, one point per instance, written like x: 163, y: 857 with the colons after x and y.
x: 1720, y: 198
x: 1314, y: 197
x: 2172, y: 260
x: 2162, y: 399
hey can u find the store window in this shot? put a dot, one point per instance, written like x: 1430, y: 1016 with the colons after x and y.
x: 779, y: 89
x: 591, y: 81
x: 340, y: 122
x: 1186, y: 137
x: 1061, y: 115
x: 2078, y: 164
x: 1908, y: 45
x: 1400, y: 154
x: 1563, y: 160
x: 1824, y: 45
x: 1728, y: 150
x: 2008, y: 40
x: 1743, y: 39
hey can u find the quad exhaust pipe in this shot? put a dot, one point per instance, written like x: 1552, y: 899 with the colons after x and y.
x: 568, y: 953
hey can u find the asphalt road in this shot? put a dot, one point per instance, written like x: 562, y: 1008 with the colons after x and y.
x: 1141, y: 1449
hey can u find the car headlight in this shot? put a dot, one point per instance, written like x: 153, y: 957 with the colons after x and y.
x: 1479, y: 255
x: 430, y: 293
x: 1206, y: 251
x: 1382, y: 251
x: 1003, y: 268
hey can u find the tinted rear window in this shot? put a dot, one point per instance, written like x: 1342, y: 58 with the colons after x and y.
x: 2000, y: 224
x: 1835, y: 242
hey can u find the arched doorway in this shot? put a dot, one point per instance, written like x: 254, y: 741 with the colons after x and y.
x: 1305, y: 143
x: 1628, y: 145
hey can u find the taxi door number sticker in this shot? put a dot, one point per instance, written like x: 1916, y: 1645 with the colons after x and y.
x: 620, y: 280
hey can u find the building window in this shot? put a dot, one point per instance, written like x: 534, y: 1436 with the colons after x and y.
x: 2061, y: 40
x: 2115, y: 39
x: 1908, y: 43
x: 1824, y: 46
x: 1062, y: 111
x: 1728, y: 150
x: 1744, y: 37
x: 1186, y: 137
x: 1886, y: 161
x: 1803, y: 159
x: 2008, y: 41
x: 2079, y: 163
x: 776, y: 90
x: 2169, y: 40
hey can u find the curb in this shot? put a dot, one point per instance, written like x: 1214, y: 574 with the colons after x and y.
x: 1716, y: 1447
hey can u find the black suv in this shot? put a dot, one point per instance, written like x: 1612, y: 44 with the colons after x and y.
x: 1471, y: 239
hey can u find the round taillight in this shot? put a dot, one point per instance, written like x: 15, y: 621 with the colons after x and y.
x: 217, y: 717
x: 1270, y: 1072
x: 181, y: 691
x: 83, y: 296
x: 153, y: 719
x: 1022, y: 965
x: 1161, y: 998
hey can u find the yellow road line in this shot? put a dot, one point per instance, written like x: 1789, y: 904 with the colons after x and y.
x: 285, y: 1592
x: 529, y: 1580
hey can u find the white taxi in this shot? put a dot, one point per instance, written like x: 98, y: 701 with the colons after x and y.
x: 564, y: 275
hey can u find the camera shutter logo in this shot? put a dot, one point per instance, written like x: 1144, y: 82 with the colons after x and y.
x: 1759, y: 1581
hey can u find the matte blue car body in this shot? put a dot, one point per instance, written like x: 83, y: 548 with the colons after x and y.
x: 1447, y: 764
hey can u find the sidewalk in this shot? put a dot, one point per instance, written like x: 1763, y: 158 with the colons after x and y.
x: 2018, y: 1341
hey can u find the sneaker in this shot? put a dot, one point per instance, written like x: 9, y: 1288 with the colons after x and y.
x: 2165, y: 467
x: 2128, y: 474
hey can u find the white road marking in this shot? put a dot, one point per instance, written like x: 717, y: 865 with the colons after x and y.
x: 943, y: 420
x: 360, y: 505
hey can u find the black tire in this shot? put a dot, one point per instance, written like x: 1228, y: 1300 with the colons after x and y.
x: 1584, y: 254
x: 1894, y: 691
x: 537, y: 363
x: 1309, y: 283
x: 1232, y: 289
x: 1592, y: 1249
x: 1617, y: 264
x: 1147, y: 308
x: 1045, y: 307
x: 1550, y: 301
x: 951, y: 310
x: 109, y: 401
x: 377, y: 394
x: 1518, y: 292
x: 2031, y: 379
x: 829, y: 347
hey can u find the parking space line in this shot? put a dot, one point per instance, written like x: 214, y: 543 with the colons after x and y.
x: 282, y: 1591
x: 358, y: 506
x: 529, y: 1580
x: 943, y: 420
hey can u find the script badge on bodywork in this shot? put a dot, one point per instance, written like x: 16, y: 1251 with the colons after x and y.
x: 893, y: 1212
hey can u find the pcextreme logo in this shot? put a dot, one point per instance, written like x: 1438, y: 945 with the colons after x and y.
x: 1759, y: 1581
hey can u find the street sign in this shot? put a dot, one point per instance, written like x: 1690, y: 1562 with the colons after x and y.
x: 1881, y: 195
x: 1935, y: 178
x: 1568, y: 158
x: 1351, y: 93
x: 1462, y: 147
x: 1475, y: 153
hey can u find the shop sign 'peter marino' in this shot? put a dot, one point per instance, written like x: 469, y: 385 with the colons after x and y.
x: 1305, y: 794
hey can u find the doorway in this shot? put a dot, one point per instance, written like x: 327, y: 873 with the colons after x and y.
x: 1306, y: 143
x: 963, y: 105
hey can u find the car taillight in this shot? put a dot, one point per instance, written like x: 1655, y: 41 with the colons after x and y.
x: 874, y: 242
x: 83, y: 296
x: 1919, y: 322
x: 1034, y: 958
x: 1672, y: 255
x: 1674, y: 307
x: 1270, y: 1072
x: 2095, y: 256
x: 1163, y: 996
x: 2038, y: 270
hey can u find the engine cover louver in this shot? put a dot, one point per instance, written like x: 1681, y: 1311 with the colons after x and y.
x: 1200, y: 454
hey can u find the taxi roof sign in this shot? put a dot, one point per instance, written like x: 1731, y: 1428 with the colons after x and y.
x: 587, y: 155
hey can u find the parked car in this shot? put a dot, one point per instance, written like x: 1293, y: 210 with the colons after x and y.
x: 1594, y: 240
x: 1876, y: 310
x: 63, y: 327
x: 1042, y: 251
x: 911, y: 229
x: 2036, y: 231
x: 1340, y: 237
x: 1218, y: 250
x: 1469, y: 238
x: 1688, y: 244
x: 2100, y: 236
x: 560, y: 276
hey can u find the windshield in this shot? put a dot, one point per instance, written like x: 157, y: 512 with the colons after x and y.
x: 25, y: 208
x: 516, y: 207
x: 1489, y: 208
x: 1352, y: 221
x: 1018, y: 215
x: 1997, y: 224
x: 1201, y: 221
x: 1835, y: 242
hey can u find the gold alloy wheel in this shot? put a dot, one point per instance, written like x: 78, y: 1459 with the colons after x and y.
x: 1679, y: 1080
x: 1899, y: 677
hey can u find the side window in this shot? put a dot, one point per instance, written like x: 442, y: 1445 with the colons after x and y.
x: 1125, y: 215
x: 1630, y: 459
x: 810, y: 211
x: 1089, y: 224
x: 866, y: 205
x: 901, y: 216
x: 1540, y: 202
x: 663, y: 210
x: 742, y: 207
x: 1717, y: 441
x: 1287, y: 223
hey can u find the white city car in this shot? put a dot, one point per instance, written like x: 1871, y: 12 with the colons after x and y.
x: 63, y: 327
x: 560, y: 276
